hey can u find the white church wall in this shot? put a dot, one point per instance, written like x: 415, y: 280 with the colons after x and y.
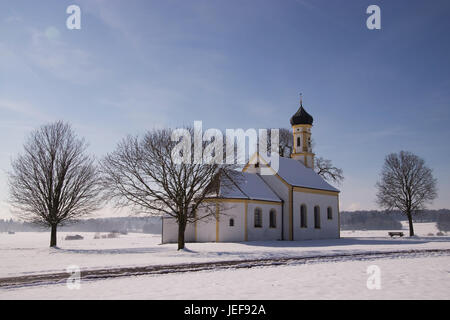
x: 264, y: 233
x: 283, y: 193
x: 206, y: 227
x: 170, y: 231
x: 328, y: 228
x: 189, y: 235
x: 235, y: 211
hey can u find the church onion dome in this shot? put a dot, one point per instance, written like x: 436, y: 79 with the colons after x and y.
x: 301, y: 117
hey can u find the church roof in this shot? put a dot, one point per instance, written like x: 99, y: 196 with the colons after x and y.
x: 297, y: 174
x: 246, y: 186
x: 301, y: 117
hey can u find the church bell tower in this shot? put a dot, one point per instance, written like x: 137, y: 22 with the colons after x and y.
x: 301, y: 123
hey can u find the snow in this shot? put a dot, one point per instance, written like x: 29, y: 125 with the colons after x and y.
x: 28, y: 253
x: 297, y: 174
x: 400, y: 278
x: 421, y: 229
x: 249, y: 186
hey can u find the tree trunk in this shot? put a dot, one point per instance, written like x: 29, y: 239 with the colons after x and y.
x: 411, y: 228
x: 53, y: 236
x: 181, y: 229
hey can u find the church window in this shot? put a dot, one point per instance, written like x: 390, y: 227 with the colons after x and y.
x: 273, y: 218
x: 231, y: 222
x: 317, y: 217
x: 258, y: 218
x: 303, y: 222
x: 298, y: 142
x: 330, y: 213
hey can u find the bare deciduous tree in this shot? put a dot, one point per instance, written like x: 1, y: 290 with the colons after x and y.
x: 53, y: 181
x: 141, y: 172
x: 406, y: 184
x: 329, y: 172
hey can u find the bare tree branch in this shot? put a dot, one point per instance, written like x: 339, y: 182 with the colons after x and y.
x: 329, y: 172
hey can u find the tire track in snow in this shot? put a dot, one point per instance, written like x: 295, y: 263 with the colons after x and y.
x: 98, y: 274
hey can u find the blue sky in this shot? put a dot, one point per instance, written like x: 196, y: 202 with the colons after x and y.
x: 137, y: 65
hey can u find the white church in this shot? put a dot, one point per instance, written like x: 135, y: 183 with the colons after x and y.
x: 294, y: 203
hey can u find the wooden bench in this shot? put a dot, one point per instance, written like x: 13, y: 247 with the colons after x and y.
x: 392, y: 234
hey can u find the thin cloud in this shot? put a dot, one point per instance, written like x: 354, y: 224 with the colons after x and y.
x: 23, y: 108
x: 48, y: 52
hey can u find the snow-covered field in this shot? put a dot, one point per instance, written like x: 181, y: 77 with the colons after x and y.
x: 28, y: 253
x: 411, y: 278
x: 406, y: 277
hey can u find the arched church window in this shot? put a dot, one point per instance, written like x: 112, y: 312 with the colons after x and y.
x: 317, y: 217
x: 231, y: 222
x: 273, y: 219
x: 258, y: 218
x: 298, y: 142
x: 303, y: 222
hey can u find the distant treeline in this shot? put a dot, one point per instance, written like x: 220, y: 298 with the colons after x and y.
x: 378, y: 220
x: 369, y: 220
x: 354, y: 220
x: 120, y: 224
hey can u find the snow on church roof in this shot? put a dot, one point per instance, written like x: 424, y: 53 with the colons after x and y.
x: 297, y: 174
x: 247, y: 186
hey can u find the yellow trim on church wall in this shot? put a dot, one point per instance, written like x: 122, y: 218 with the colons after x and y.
x: 317, y: 191
x: 295, y: 126
x: 339, y: 217
x: 237, y: 200
x: 303, y: 154
x: 291, y: 214
x: 246, y: 222
x: 246, y: 167
x: 304, y: 142
x: 250, y: 161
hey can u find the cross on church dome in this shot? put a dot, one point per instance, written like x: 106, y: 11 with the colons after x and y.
x: 301, y: 116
